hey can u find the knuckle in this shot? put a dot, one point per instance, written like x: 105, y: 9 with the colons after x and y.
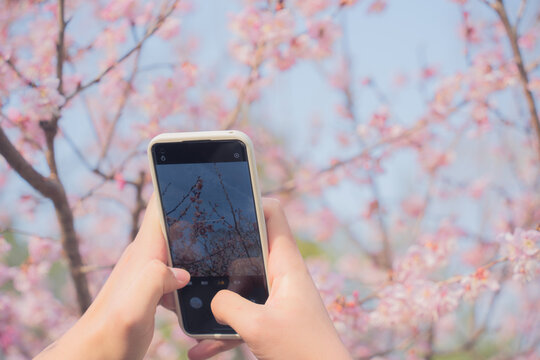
x: 156, y: 272
x: 157, y: 268
x: 273, y: 202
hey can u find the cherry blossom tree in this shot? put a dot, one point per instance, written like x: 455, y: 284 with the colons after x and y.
x: 420, y: 228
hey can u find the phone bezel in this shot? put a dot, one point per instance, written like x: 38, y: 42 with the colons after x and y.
x: 211, y: 136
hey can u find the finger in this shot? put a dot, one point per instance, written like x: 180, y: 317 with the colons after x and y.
x: 208, y: 348
x: 150, y: 241
x: 284, y: 255
x: 155, y: 280
x: 149, y: 244
x: 150, y: 221
x: 231, y: 309
x: 167, y: 301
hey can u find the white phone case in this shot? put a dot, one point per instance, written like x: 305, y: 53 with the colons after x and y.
x: 212, y: 135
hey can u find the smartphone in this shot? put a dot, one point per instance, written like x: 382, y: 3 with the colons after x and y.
x: 212, y: 220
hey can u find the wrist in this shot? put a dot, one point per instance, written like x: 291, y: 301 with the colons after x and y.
x: 329, y: 346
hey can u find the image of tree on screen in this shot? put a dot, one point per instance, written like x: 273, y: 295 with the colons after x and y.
x: 211, y: 218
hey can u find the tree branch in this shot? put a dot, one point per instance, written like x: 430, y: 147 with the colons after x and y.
x: 70, y: 244
x: 477, y: 334
x: 233, y: 116
x: 140, y: 205
x: 512, y: 35
x: 64, y: 214
x: 43, y: 185
x: 60, y: 47
x: 386, y: 260
x: 519, y: 16
x: 18, y: 72
x: 52, y: 189
x: 150, y: 31
x: 123, y: 101
x: 533, y: 65
x: 431, y: 336
x: 290, y: 186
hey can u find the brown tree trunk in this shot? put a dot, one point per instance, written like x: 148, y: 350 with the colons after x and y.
x: 70, y: 244
x: 53, y: 189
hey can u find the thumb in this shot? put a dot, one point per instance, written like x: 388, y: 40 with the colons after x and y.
x: 231, y: 309
x: 155, y: 280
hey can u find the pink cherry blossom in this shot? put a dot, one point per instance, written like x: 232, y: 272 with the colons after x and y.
x: 428, y: 72
x: 5, y: 246
x: 377, y: 6
x: 413, y: 205
x: 379, y: 119
x: 529, y: 40
x: 9, y: 331
x: 522, y: 248
x: 433, y: 159
x: 341, y: 77
x: 42, y: 249
x: 120, y: 9
x: 42, y: 103
x: 477, y: 283
x: 170, y: 28
x: 403, y: 305
x: 311, y: 7
x: 432, y: 252
x: 324, y: 32
x: 108, y: 40
x: 120, y: 181
x: 478, y: 187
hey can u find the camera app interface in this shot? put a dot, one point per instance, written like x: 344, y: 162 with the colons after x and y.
x: 212, y: 227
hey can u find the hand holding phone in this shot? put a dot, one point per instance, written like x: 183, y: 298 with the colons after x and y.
x: 293, y: 324
x: 212, y: 220
x: 120, y: 322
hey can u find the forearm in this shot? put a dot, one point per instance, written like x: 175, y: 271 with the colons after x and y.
x: 76, y: 343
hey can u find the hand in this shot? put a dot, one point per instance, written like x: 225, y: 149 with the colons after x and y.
x: 120, y: 322
x: 293, y: 324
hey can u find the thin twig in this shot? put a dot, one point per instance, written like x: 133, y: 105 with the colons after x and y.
x: 512, y: 35
x: 18, y: 72
x: 348, y: 91
x: 291, y: 185
x: 60, y: 46
x: 233, y: 116
x: 123, y: 101
x: 533, y: 65
x: 76, y: 150
x: 519, y: 16
x: 160, y: 20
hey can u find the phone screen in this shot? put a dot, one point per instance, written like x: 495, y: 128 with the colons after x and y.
x: 211, y: 222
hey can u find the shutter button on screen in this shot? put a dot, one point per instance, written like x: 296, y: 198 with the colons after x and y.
x: 195, y: 302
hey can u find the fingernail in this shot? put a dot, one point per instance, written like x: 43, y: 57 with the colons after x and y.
x: 181, y: 275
